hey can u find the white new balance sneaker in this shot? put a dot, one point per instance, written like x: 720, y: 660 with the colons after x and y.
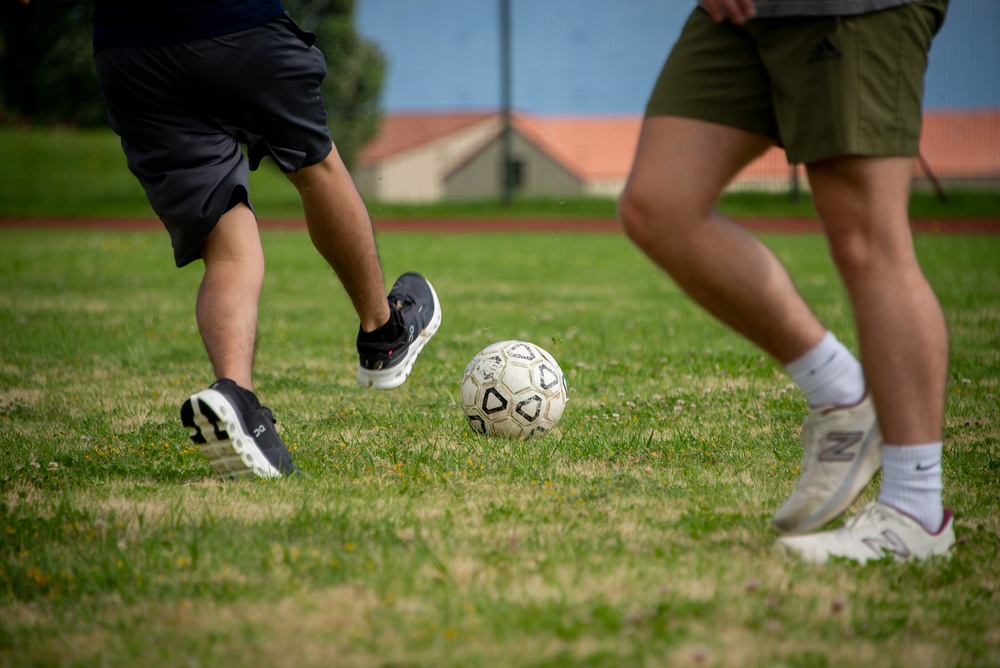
x: 841, y: 452
x: 877, y: 532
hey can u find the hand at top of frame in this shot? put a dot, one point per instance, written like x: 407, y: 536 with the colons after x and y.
x: 737, y: 11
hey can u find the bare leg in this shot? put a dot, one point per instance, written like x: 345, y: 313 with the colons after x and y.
x: 341, y: 231
x: 227, y: 300
x: 901, y: 330
x: 681, y: 167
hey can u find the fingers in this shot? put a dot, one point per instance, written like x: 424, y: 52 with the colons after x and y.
x: 737, y: 11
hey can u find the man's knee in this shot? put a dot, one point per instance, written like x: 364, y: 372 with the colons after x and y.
x: 867, y: 260
x: 862, y: 202
x: 235, y: 240
x: 634, y: 213
x: 646, y: 216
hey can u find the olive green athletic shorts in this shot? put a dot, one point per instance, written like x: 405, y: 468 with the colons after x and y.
x: 821, y: 87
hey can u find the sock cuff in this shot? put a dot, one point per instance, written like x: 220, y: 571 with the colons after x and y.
x: 911, y: 458
x: 814, y: 357
x: 829, y: 374
x: 387, y: 333
x: 911, y: 482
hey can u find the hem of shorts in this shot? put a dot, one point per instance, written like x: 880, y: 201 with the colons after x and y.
x: 710, y: 115
x: 315, y: 161
x: 882, y: 149
x: 193, y: 254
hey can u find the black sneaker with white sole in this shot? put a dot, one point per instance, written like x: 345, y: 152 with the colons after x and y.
x: 236, y: 433
x: 415, y: 315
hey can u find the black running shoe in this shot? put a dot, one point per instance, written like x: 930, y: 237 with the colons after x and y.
x: 236, y: 433
x: 416, y: 313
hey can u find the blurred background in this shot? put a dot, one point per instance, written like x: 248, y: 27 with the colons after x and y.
x: 435, y: 100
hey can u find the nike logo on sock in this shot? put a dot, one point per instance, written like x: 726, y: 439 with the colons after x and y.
x: 926, y: 467
x: 819, y: 367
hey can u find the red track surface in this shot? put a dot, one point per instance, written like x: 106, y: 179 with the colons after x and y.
x: 949, y: 226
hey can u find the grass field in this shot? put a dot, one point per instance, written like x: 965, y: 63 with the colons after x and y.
x: 637, y: 536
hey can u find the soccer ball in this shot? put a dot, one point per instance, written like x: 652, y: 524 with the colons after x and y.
x: 514, y: 389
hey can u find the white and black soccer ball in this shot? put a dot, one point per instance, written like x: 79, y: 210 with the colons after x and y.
x: 514, y: 389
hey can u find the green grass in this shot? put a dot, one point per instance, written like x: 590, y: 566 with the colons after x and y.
x: 77, y: 173
x: 638, y: 536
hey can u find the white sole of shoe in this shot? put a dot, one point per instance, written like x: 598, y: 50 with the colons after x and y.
x: 387, y: 379
x: 218, y: 430
x: 875, y: 543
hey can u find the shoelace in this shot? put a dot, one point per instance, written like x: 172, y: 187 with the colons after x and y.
x: 267, y: 413
x: 405, y: 303
x: 256, y: 407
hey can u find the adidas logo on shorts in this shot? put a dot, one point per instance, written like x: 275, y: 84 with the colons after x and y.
x: 824, y: 50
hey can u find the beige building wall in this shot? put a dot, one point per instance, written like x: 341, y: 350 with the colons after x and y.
x: 418, y: 175
x: 481, y: 177
x: 604, y: 188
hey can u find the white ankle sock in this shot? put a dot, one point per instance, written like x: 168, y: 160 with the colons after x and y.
x: 829, y: 374
x: 911, y: 482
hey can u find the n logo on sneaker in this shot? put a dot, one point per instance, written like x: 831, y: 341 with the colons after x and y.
x: 838, y: 446
x: 888, y: 544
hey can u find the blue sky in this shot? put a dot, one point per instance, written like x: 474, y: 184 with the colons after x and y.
x: 602, y: 56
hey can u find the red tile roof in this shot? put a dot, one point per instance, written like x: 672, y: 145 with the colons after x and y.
x: 592, y: 148
x: 402, y: 132
x: 954, y: 143
x: 962, y: 143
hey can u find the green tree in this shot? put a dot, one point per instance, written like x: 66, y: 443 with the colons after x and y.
x: 356, y: 72
x: 47, y: 72
x: 46, y: 66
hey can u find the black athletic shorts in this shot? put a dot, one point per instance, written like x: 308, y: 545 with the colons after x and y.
x: 183, y: 110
